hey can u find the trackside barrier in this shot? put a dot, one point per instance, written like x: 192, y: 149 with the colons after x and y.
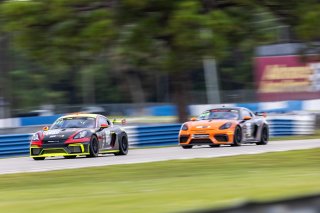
x: 167, y: 134
x: 14, y: 145
x: 155, y: 135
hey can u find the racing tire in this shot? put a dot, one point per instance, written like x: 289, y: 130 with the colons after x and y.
x: 187, y: 146
x: 237, y: 137
x: 93, y: 147
x: 214, y: 145
x: 70, y: 157
x: 123, y: 145
x: 264, y: 136
x: 38, y: 158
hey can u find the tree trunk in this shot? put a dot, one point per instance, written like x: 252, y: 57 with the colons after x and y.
x: 5, y: 66
x: 136, y: 90
x: 181, y: 99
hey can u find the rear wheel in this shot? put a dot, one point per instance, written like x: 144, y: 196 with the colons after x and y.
x: 93, y: 147
x: 237, y: 137
x: 123, y: 145
x: 264, y: 136
x: 38, y: 158
x: 70, y: 157
x: 187, y: 146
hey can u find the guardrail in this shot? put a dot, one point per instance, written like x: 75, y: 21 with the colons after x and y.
x: 167, y: 134
x: 14, y: 145
x: 155, y: 135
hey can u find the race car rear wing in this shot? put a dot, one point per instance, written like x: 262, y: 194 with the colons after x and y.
x: 263, y: 114
x: 122, y: 122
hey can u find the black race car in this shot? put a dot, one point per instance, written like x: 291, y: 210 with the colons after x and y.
x: 79, y: 134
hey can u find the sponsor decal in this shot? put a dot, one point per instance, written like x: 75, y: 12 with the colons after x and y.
x: 52, y: 132
x: 199, y: 127
x: 53, y: 141
x: 200, y: 136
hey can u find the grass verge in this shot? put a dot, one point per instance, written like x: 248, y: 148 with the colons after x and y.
x: 164, y: 186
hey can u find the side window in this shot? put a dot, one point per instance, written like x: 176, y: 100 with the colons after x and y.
x: 204, y: 115
x: 251, y: 114
x: 102, y: 120
x: 246, y: 113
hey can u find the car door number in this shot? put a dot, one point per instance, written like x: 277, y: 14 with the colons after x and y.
x: 106, y: 138
x: 248, y: 129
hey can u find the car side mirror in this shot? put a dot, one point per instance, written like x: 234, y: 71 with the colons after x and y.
x: 46, y: 128
x: 246, y: 118
x: 193, y: 119
x: 103, y: 126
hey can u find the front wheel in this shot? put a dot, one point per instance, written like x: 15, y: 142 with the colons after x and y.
x: 264, y: 136
x: 237, y: 137
x: 38, y: 158
x: 187, y: 146
x: 123, y: 146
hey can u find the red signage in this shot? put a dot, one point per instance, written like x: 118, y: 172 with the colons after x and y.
x: 286, y: 78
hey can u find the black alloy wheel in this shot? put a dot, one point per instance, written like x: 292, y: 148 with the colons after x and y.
x: 123, y: 146
x: 237, y: 137
x: 93, y: 147
x: 38, y: 158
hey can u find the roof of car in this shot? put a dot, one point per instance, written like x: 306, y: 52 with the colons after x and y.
x: 235, y: 108
x: 80, y: 115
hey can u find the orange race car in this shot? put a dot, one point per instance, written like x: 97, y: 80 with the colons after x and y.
x: 232, y: 126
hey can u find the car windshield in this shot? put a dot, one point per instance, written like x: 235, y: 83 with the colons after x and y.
x: 228, y: 114
x: 74, y: 122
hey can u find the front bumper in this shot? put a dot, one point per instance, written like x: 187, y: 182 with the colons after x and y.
x: 53, y: 150
x: 206, y: 137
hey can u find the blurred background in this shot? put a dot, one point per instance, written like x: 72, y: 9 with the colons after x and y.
x: 156, y: 57
x: 160, y: 61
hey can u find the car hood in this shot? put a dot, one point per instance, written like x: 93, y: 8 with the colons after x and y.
x: 61, y: 134
x: 207, y: 124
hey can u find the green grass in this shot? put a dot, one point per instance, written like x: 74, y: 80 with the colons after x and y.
x: 163, y: 186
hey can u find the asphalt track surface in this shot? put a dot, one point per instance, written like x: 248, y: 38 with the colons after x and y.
x: 26, y: 164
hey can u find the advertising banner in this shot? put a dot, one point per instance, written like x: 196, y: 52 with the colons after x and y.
x: 286, y: 78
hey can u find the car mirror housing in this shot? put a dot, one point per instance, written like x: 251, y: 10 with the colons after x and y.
x: 193, y: 119
x: 246, y: 118
x: 103, y: 126
x: 46, y: 128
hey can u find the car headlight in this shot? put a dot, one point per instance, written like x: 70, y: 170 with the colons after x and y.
x: 226, y: 125
x: 81, y: 134
x: 35, y: 137
x: 184, y: 127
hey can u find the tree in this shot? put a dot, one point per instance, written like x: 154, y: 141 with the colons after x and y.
x: 63, y: 38
x: 68, y: 39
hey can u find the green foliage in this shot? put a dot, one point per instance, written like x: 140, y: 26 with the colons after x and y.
x: 144, y: 36
x: 31, y: 88
x: 309, y: 25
